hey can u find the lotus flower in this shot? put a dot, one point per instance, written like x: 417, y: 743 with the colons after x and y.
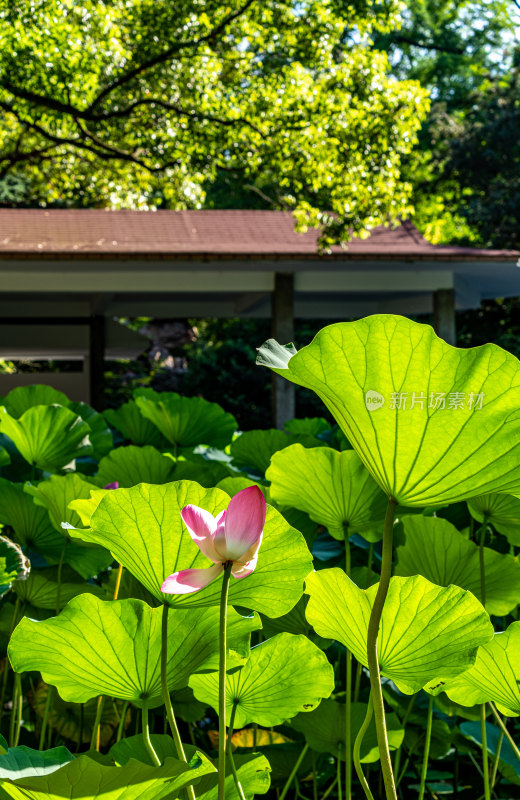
x: 114, y: 485
x: 233, y: 536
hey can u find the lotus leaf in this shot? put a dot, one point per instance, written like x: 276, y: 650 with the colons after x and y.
x: 432, y: 423
x: 130, y: 422
x: 500, y: 510
x: 283, y: 676
x: 14, y: 566
x: 75, y: 651
x: 427, y: 633
x: 188, y: 421
x: 132, y: 465
x: 22, y: 398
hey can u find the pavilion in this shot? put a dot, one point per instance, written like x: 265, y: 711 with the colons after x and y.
x: 66, y: 274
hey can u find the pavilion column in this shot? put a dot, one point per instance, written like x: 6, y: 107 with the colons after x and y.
x: 97, y: 361
x: 444, y: 314
x: 282, y: 329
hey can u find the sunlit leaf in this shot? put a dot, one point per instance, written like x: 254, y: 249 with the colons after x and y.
x: 502, y: 511
x: 41, y: 587
x: 254, y: 449
x: 334, y: 488
x: 434, y: 548
x: 385, y: 380
x: 132, y: 465
x: 427, y: 633
x: 23, y: 762
x: 494, y: 676
x: 75, y: 651
x: 100, y: 434
x: 48, y: 437
x: 143, y: 529
x: 22, y: 398
x: 283, y: 676
x: 130, y: 422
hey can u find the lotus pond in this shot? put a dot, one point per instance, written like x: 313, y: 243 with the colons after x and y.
x: 324, y: 611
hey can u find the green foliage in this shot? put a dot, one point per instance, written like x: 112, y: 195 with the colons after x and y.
x: 188, y: 421
x: 142, y: 106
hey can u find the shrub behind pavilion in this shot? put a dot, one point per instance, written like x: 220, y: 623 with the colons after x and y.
x: 430, y: 426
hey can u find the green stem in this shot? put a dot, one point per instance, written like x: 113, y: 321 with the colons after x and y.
x: 121, y: 726
x: 370, y: 557
x: 372, y: 657
x: 294, y: 772
x: 397, y: 761
x: 427, y: 743
x: 485, y: 761
x: 6, y: 664
x: 338, y: 773
x: 146, y: 738
x: 482, y: 539
x: 505, y: 731
x: 357, y: 750
x: 230, y: 753
x: 181, y: 755
x: 118, y: 581
x: 496, y: 759
x: 222, y: 672
x: 58, y: 577
x: 46, y: 710
x: 357, y: 682
x: 348, y: 695
x: 314, y: 779
x: 16, y: 711
x: 94, y: 742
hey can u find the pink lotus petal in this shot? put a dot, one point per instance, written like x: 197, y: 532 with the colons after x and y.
x: 114, y: 485
x: 190, y: 580
x: 239, y: 570
x: 201, y: 526
x: 243, y: 523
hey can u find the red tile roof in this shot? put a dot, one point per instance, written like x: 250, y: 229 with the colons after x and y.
x: 69, y: 232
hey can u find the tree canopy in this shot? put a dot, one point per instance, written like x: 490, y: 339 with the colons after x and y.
x: 142, y: 103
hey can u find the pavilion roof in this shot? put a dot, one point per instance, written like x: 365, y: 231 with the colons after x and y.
x: 236, y: 233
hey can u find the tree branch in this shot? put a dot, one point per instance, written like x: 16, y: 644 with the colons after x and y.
x: 168, y: 54
x: 399, y: 38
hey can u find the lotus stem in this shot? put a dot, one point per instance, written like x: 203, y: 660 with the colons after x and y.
x: 146, y: 738
x: 482, y: 539
x: 427, y: 742
x: 118, y: 581
x: 357, y: 750
x: 230, y: 754
x: 485, y: 761
x: 181, y: 755
x: 294, y: 772
x: 58, y: 577
x: 496, y: 759
x: 16, y: 711
x: 348, y: 694
x: 397, y: 762
x: 7, y: 664
x: 222, y: 672
x: 503, y: 728
x: 94, y: 742
x: 373, y: 662
x: 121, y: 726
x: 46, y: 711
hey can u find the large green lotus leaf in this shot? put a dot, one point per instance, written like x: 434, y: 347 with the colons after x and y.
x: 41, y: 587
x: 114, y: 647
x: 24, y: 397
x: 188, y: 421
x: 129, y: 421
x: 48, y: 437
x: 132, y: 465
x: 254, y: 449
x: 30, y: 523
x: 253, y: 770
x: 233, y: 486
x: 24, y: 762
x: 88, y: 779
x: 500, y: 510
x: 206, y: 472
x: 84, y: 507
x: 333, y: 488
x: 144, y: 531
x: 100, y: 434
x: 283, y: 676
x: 55, y: 495
x: 427, y: 633
x: 494, y: 676
x: 508, y: 763
x: 433, y: 547
x: 324, y: 730
x: 14, y: 566
x: 370, y: 372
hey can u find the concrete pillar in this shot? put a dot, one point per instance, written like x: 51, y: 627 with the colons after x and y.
x: 96, y: 361
x: 444, y: 314
x: 282, y: 329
